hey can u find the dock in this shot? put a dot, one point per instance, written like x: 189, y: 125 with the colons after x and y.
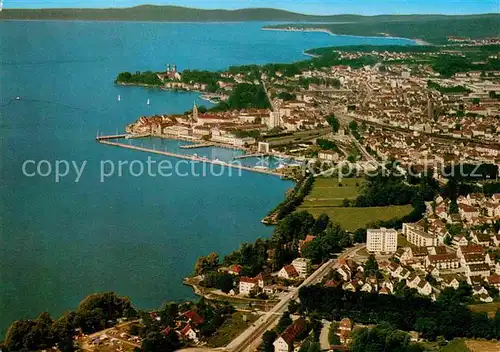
x: 258, y: 155
x: 107, y: 141
x: 198, y: 145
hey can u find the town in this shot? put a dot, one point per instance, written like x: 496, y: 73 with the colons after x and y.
x: 403, y: 249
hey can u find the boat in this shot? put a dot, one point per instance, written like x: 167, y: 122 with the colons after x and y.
x: 119, y: 98
x: 258, y: 167
x: 148, y: 102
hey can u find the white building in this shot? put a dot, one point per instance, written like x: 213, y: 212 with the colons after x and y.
x: 247, y: 285
x: 302, y: 266
x: 417, y: 236
x: 382, y: 240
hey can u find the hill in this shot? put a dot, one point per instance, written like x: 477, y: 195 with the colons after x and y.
x: 184, y: 14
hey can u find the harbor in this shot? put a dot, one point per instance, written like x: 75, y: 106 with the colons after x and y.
x: 109, y: 140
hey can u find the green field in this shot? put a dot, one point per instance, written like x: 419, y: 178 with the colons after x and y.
x: 327, y: 197
x: 490, y: 308
x: 355, y: 218
x: 326, y: 192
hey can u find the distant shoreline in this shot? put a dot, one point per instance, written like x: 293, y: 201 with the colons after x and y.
x: 417, y: 41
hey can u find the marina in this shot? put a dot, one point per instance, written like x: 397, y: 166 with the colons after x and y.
x: 107, y: 140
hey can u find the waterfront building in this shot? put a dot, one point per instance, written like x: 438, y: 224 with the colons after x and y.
x: 382, y: 240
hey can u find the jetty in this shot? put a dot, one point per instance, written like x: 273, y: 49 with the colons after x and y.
x: 194, y: 146
x: 258, y: 155
x: 107, y: 140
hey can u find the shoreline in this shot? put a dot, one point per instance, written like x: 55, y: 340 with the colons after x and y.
x: 417, y: 41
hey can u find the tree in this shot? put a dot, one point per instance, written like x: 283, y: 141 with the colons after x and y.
x: 284, y: 322
x: 476, y: 101
x: 205, y: 264
x: 371, y: 266
x: 267, y: 341
x: 320, y: 224
x: 333, y: 122
x: 346, y: 203
x: 158, y: 342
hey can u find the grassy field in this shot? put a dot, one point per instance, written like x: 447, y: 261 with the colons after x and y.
x: 490, y: 308
x: 482, y: 346
x: 327, y: 197
x: 231, y: 329
x: 355, y: 218
x: 326, y: 192
x: 455, y: 346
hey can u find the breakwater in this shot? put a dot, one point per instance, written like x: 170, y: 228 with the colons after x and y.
x: 189, y: 157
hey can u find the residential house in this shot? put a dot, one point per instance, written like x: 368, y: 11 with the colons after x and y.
x: 284, y: 343
x: 443, y: 261
x: 288, y: 272
x: 482, y: 270
x: 416, y: 235
x: 189, y: 333
x: 248, y: 284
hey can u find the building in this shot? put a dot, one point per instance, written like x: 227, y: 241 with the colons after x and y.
x: 345, y: 330
x: 418, y: 237
x: 284, y: 343
x: 382, y: 240
x: 302, y: 266
x: 443, y: 261
x: 288, y: 272
x: 248, y: 284
x: 482, y: 270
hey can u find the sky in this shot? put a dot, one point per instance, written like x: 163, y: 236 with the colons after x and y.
x: 320, y: 7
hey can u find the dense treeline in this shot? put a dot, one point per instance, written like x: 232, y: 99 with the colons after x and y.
x: 95, y: 312
x: 209, y: 78
x: 245, y: 96
x: 446, y: 318
x: 326, y: 144
x: 148, y: 77
x: 471, y: 172
x: 448, y: 65
x: 295, y: 198
x: 383, y: 337
x: 444, y: 90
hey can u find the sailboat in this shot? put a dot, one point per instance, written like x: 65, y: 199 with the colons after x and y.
x: 148, y: 102
x: 119, y: 98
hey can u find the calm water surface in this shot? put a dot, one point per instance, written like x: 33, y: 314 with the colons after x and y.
x: 138, y: 236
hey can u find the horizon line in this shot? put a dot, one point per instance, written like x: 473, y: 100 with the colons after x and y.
x: 245, y: 8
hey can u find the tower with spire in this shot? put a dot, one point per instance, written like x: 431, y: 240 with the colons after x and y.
x: 195, y: 113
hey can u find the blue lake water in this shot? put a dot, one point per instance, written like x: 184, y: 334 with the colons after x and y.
x: 138, y: 236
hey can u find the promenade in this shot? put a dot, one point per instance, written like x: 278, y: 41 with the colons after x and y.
x: 107, y: 141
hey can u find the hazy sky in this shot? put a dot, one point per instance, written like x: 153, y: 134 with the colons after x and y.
x: 367, y: 7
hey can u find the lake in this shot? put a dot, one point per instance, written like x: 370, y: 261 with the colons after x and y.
x: 137, y: 236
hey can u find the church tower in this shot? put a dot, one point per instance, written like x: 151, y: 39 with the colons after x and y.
x: 195, y: 112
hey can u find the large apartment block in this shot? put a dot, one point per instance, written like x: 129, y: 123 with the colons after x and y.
x: 418, y: 237
x: 382, y: 240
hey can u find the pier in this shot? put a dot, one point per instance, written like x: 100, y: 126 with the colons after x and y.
x: 107, y: 141
x: 258, y: 155
x: 194, y: 146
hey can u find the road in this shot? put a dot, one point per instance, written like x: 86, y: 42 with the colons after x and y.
x: 251, y: 337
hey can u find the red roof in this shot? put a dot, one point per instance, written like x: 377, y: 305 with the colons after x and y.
x: 194, y: 317
x: 249, y: 280
x: 186, y: 329
x: 493, y: 279
x: 236, y: 268
x: 293, y: 330
x: 290, y: 270
x: 167, y: 331
x: 471, y: 249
